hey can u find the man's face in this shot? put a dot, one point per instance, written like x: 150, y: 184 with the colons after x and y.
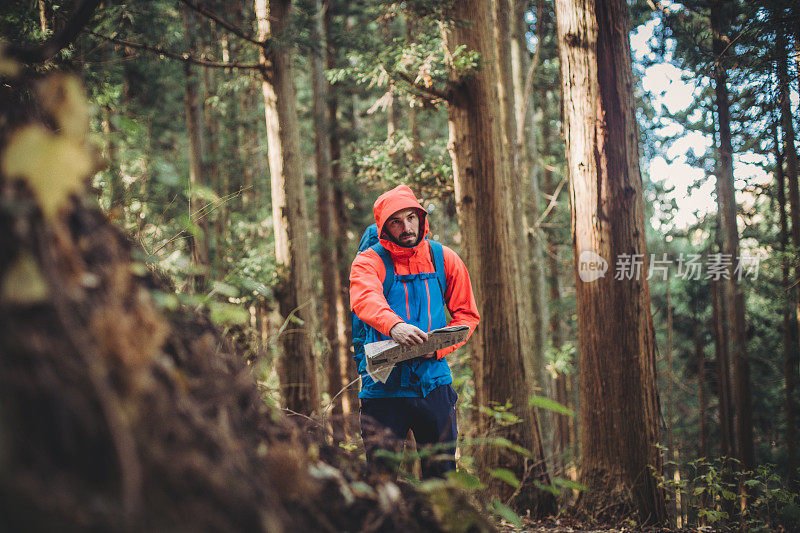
x: 403, y: 226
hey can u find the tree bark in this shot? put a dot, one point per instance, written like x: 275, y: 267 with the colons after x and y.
x: 252, y: 160
x: 329, y: 261
x: 340, y: 218
x: 790, y: 346
x: 619, y: 401
x: 115, y: 183
x: 562, y: 436
x: 673, y: 470
x: 215, y: 172
x: 700, y: 359
x: 297, y: 370
x: 533, y: 265
x: 43, y: 17
x: 730, y: 245
x: 195, y: 127
x: 790, y: 151
x: 413, y: 122
x: 507, y: 88
x: 727, y: 440
x: 485, y: 218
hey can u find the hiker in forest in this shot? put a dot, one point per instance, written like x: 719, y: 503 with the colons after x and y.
x: 400, y: 284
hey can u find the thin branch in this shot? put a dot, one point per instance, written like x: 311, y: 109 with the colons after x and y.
x: 325, y: 411
x: 227, y: 25
x: 185, y: 57
x: 39, y: 53
x: 552, y: 204
x: 433, y: 92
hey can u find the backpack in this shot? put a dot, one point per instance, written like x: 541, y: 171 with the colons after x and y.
x: 370, y: 240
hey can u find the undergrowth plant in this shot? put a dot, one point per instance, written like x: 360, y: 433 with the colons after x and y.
x: 717, y: 493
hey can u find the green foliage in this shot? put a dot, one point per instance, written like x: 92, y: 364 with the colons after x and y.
x: 410, y: 62
x: 551, y: 405
x: 465, y: 480
x: 717, y: 494
x: 559, y: 360
x: 502, y: 414
x: 220, y: 312
x: 504, y: 474
x: 505, y: 512
x: 568, y: 484
x: 394, y: 161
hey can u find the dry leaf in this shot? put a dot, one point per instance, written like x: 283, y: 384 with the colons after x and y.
x: 62, y: 97
x: 53, y: 165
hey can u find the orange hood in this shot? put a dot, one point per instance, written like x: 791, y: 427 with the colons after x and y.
x: 389, y: 203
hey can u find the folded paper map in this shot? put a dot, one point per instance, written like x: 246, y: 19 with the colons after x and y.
x: 382, y: 355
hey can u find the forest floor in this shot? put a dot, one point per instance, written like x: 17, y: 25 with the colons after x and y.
x: 567, y: 524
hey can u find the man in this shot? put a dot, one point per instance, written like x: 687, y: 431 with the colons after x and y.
x: 418, y: 394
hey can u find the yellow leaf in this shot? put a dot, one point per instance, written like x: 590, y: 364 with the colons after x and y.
x: 61, y: 95
x: 24, y: 283
x: 53, y: 165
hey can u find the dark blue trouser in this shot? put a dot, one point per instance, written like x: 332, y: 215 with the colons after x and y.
x: 386, y: 421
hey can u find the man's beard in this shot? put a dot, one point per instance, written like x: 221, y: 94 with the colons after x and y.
x: 399, y: 241
x: 409, y: 244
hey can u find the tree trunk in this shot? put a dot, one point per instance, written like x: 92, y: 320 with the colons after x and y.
x: 343, y: 252
x: 503, y: 24
x: 790, y: 346
x: 43, y: 17
x: 561, y: 438
x: 795, y: 15
x: 199, y: 239
x: 329, y: 261
x: 484, y: 212
x: 730, y: 246
x: 215, y: 172
x: 702, y: 401
x: 413, y: 122
x: 790, y: 151
x: 533, y: 265
x: 297, y: 369
x: 727, y: 440
x: 619, y: 401
x: 673, y: 470
x: 252, y: 159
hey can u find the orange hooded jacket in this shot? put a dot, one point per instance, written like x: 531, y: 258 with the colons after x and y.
x: 368, y: 272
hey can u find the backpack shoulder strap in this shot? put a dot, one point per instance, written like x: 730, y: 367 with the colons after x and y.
x: 384, y: 254
x: 437, y: 255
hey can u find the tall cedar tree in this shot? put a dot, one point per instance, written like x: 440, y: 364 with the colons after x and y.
x: 340, y: 214
x: 484, y: 209
x: 199, y: 241
x: 528, y: 158
x: 333, y: 314
x: 733, y: 295
x: 297, y: 371
x: 619, y: 406
x: 504, y: 23
x: 790, y: 151
x: 789, y: 319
